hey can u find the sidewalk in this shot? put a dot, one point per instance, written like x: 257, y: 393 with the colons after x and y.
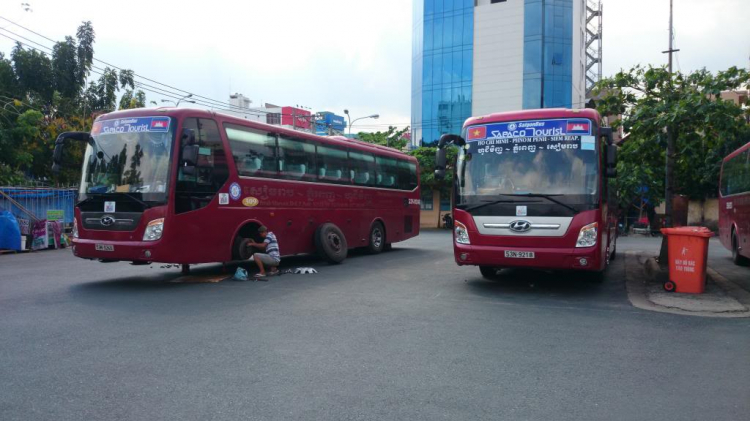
x: 727, y: 287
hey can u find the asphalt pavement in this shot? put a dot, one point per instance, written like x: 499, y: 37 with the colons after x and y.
x: 404, y: 335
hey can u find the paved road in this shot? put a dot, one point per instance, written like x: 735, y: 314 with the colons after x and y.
x: 403, y: 335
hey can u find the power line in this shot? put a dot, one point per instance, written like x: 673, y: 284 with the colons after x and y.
x: 169, y: 92
x: 119, y: 68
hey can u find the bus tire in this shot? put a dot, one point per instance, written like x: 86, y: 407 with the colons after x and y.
x: 240, y: 250
x: 330, y: 243
x: 377, y: 238
x: 737, y: 258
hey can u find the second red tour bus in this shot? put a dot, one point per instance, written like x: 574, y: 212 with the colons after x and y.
x: 532, y: 190
x: 191, y: 186
x: 734, y: 204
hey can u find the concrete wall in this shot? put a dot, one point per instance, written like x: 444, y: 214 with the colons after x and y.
x: 432, y: 218
x: 707, y: 211
x: 498, y: 57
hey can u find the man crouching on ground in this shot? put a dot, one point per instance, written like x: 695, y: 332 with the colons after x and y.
x: 270, y: 257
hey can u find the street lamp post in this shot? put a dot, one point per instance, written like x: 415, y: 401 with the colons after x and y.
x: 375, y: 116
x: 177, y: 104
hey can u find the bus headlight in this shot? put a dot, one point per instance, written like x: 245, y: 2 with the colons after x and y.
x: 462, y: 234
x: 75, y: 228
x: 154, y: 230
x: 587, y: 236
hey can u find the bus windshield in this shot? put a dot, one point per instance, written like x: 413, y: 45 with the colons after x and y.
x: 546, y: 157
x: 129, y: 155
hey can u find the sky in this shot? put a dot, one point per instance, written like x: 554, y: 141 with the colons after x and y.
x: 331, y: 55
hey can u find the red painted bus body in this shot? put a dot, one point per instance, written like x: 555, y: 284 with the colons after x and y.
x: 734, y: 204
x: 241, y: 175
x: 529, y: 188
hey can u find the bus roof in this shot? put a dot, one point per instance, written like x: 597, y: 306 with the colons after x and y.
x: 541, y: 114
x: 737, y: 152
x: 195, y: 112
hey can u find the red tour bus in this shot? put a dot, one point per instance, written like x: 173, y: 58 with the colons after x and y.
x: 531, y: 189
x: 191, y: 186
x: 734, y: 204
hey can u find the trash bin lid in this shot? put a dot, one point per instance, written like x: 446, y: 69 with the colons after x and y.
x: 688, y: 231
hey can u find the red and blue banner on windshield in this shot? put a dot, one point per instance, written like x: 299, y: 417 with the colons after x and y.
x: 535, y: 128
x: 131, y: 125
x: 532, y: 136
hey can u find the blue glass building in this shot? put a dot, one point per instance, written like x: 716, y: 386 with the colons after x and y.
x: 441, y: 67
x: 475, y: 57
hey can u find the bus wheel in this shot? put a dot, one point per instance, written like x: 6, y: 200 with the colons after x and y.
x: 331, y: 243
x: 737, y: 258
x: 240, y: 250
x: 489, y: 272
x: 377, y: 238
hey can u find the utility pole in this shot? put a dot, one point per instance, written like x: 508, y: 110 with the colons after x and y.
x: 669, y: 181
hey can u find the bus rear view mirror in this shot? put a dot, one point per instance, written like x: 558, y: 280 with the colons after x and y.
x: 440, y: 162
x: 611, y: 161
x: 441, y: 155
x: 190, y: 155
x: 57, y: 155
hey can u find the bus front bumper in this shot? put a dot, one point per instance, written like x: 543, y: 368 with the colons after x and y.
x: 132, y: 251
x: 544, y: 258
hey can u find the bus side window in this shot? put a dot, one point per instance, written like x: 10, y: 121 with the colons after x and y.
x: 363, y: 168
x: 387, y: 172
x: 254, y: 151
x: 296, y: 159
x: 332, y: 165
x: 407, y: 175
x: 195, y: 191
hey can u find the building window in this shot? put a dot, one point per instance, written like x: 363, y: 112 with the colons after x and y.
x: 445, y: 202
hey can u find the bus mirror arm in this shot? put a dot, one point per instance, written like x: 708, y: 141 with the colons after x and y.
x: 441, y: 154
x: 57, y: 155
x: 611, y: 170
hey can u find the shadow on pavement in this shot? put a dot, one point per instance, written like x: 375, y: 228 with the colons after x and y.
x: 163, y: 279
x: 530, y: 283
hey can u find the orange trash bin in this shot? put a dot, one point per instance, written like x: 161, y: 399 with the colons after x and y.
x: 688, y: 253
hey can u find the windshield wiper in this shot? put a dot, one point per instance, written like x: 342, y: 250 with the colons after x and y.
x: 548, y: 197
x: 481, y: 205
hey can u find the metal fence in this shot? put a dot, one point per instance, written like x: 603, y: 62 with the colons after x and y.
x: 29, y: 204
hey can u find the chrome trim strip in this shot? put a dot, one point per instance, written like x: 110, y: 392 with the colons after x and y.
x: 533, y: 226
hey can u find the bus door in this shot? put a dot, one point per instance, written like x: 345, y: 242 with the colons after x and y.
x: 201, y: 173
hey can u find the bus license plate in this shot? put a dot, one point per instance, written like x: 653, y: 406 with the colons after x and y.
x: 105, y: 247
x: 519, y: 254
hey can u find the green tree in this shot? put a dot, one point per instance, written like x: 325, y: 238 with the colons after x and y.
x: 426, y: 157
x: 660, y: 110
x: 65, y: 68
x: 393, y: 137
x: 43, y: 95
x: 85, y: 50
x: 34, y: 74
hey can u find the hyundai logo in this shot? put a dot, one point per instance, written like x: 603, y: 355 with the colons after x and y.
x: 108, y: 220
x: 520, y: 226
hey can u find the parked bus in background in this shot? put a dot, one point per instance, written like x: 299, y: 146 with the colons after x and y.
x: 191, y: 186
x: 734, y: 204
x: 531, y: 189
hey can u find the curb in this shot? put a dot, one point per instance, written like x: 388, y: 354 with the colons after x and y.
x: 640, y: 270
